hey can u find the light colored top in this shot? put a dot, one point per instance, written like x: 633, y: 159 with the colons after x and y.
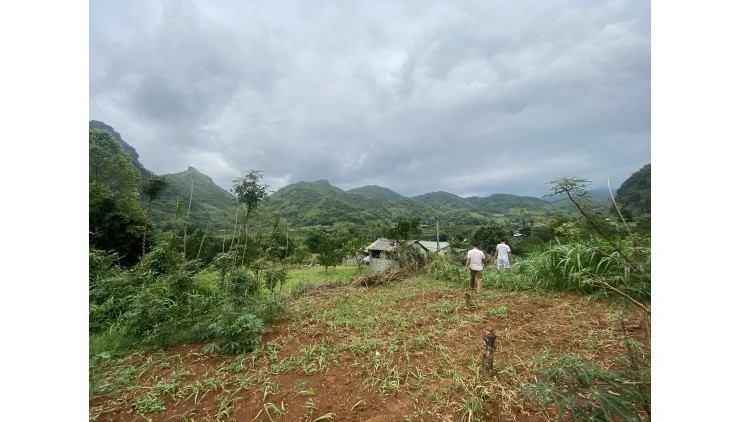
x: 502, y: 251
x: 475, y: 257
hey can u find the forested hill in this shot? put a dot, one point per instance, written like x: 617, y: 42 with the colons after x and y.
x: 211, y: 206
x: 319, y: 203
x: 94, y: 124
x: 374, y: 191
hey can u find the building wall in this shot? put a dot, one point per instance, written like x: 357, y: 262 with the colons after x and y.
x: 382, y: 264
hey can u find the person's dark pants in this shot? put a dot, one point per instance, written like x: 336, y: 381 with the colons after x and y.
x: 473, y: 274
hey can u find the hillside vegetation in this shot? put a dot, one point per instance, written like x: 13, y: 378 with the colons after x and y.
x: 260, y: 321
x: 318, y: 203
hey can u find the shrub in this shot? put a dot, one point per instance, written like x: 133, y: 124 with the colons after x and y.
x: 151, y: 315
x: 577, y: 387
x: 110, y: 298
x: 240, y: 283
x: 236, y: 330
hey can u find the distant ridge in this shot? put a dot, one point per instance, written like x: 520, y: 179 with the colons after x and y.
x: 318, y: 203
x: 374, y: 191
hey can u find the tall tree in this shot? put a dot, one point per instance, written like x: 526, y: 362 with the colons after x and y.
x: 329, y: 249
x: 116, y: 220
x: 250, y: 193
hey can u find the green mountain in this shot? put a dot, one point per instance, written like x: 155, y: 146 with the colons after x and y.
x: 319, y: 203
x: 374, y: 191
x: 94, y: 124
x: 211, y: 205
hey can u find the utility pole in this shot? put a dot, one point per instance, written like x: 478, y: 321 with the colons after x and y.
x: 438, y: 243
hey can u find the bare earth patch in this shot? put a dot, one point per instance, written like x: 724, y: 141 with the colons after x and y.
x: 410, y: 350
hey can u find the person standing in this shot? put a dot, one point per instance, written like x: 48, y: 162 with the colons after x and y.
x: 475, y: 263
x: 503, y: 256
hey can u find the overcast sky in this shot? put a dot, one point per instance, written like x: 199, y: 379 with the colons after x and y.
x: 468, y: 97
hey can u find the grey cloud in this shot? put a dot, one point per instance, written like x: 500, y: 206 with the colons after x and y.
x: 468, y: 97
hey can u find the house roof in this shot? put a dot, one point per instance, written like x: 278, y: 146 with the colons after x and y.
x: 431, y: 244
x: 382, y: 244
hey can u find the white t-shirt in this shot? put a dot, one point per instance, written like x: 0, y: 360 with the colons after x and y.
x: 502, y: 250
x: 475, y: 257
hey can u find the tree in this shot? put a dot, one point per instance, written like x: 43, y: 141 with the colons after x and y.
x: 406, y: 230
x: 489, y: 236
x: 116, y: 220
x: 152, y: 188
x: 329, y: 249
x: 250, y: 193
x: 354, y: 249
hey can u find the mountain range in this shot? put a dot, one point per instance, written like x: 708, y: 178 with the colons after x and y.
x: 193, y: 195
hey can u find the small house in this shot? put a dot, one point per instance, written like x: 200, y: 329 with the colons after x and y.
x: 382, y: 256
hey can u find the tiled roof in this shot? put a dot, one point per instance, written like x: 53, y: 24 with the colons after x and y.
x: 382, y: 244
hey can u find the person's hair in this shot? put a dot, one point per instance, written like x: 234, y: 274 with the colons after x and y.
x: 475, y: 244
x: 502, y: 240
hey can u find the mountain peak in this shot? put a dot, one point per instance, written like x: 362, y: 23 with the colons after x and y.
x: 374, y: 191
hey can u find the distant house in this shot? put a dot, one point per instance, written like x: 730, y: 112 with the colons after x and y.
x: 382, y: 257
x: 439, y: 247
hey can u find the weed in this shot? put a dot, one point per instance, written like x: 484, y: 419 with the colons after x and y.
x: 473, y: 408
x: 149, y: 403
x: 499, y: 312
x: 285, y: 365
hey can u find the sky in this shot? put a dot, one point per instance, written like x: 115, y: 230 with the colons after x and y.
x: 467, y: 97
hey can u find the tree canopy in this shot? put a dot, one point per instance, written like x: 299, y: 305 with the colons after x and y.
x: 116, y: 221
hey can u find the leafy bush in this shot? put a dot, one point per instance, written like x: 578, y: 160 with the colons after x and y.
x: 151, y: 316
x: 102, y: 264
x: 272, y: 309
x: 578, y: 388
x: 240, y: 283
x: 274, y: 277
x: 237, y: 331
x: 110, y: 298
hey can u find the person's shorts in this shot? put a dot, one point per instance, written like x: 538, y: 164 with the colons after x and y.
x: 504, y: 261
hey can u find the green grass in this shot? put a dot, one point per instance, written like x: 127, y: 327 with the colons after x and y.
x: 342, y: 274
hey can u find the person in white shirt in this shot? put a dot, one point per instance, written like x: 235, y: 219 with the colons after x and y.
x: 475, y: 264
x: 503, y: 256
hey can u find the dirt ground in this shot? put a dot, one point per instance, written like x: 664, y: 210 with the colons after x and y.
x: 388, y: 353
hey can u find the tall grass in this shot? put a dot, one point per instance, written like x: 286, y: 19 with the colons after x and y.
x: 596, y: 267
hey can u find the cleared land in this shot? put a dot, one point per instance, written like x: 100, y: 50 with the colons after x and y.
x: 408, y: 350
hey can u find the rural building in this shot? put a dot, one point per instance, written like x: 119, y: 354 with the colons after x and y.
x: 439, y: 247
x: 382, y: 253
